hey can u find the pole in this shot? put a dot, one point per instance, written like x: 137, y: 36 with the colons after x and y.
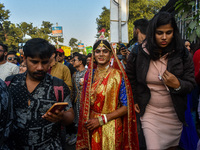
x: 120, y: 22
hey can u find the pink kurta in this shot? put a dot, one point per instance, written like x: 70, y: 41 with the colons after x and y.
x: 160, y: 123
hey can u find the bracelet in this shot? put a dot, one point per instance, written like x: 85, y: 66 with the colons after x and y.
x: 106, y: 120
x: 177, y: 89
x: 103, y: 118
x: 100, y: 121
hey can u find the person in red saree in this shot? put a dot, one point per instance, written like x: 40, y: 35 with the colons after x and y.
x: 107, y: 117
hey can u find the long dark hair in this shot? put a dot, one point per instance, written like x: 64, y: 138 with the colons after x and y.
x: 163, y: 18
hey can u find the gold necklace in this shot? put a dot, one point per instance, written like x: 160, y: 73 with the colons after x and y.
x: 99, y: 75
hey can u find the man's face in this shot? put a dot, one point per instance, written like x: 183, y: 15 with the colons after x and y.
x: 77, y: 63
x: 72, y: 61
x: 2, y: 54
x: 60, y: 57
x: 88, y: 60
x: 102, y: 56
x: 37, y: 67
x: 12, y: 58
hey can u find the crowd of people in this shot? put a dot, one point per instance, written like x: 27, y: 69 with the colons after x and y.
x: 147, y: 97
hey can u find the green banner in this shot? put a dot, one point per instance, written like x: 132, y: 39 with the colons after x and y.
x: 89, y: 49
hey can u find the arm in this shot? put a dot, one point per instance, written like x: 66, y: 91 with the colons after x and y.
x: 131, y: 73
x: 186, y: 82
x: 67, y: 77
x: 65, y: 117
x: 94, y: 122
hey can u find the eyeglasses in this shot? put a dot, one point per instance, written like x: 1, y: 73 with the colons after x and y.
x: 1, y: 50
x: 22, y: 66
x: 12, y: 58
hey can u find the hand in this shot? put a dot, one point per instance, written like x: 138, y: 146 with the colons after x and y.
x: 54, y: 117
x: 137, y: 108
x: 170, y: 80
x: 123, y: 51
x: 91, y: 124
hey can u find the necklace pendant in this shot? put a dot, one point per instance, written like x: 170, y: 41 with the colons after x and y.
x: 159, y: 77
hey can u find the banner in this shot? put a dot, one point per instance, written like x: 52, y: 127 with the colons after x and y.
x: 57, y: 31
x: 89, y: 49
x: 80, y: 46
x: 67, y: 50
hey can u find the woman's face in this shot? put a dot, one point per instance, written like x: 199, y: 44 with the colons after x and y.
x: 22, y: 67
x: 164, y: 35
x: 187, y: 45
x: 102, y: 56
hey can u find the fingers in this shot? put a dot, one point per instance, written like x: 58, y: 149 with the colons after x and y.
x: 54, y: 117
x: 137, y: 109
x: 91, y: 124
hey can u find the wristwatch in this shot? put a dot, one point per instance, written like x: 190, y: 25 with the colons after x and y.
x: 177, y: 89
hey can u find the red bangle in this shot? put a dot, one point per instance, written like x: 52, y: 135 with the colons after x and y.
x: 103, y: 119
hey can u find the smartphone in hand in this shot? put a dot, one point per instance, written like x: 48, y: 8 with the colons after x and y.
x: 57, y: 106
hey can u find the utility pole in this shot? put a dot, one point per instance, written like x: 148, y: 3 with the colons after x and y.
x: 119, y: 11
x: 120, y: 21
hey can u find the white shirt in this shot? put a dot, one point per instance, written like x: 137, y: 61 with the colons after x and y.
x: 8, y: 69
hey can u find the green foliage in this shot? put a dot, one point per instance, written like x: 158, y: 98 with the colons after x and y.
x: 138, y: 9
x: 104, y: 21
x: 12, y: 34
x: 73, y: 43
x: 189, y: 16
x: 4, y: 14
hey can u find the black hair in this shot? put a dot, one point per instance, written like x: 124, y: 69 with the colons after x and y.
x: 5, y: 47
x: 38, y: 47
x: 163, y: 18
x: 82, y: 58
x: 142, y: 25
x: 11, y: 53
x: 107, y: 44
x: 89, y: 55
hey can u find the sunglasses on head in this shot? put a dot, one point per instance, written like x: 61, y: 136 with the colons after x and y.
x: 12, y: 58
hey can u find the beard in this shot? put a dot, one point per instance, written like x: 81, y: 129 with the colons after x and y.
x: 39, y: 75
x: 2, y: 58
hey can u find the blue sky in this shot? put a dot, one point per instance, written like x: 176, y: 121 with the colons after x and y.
x: 77, y: 17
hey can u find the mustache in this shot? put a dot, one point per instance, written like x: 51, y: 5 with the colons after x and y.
x: 40, y: 72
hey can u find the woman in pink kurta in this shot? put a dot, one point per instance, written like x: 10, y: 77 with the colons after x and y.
x: 161, y: 75
x: 160, y: 122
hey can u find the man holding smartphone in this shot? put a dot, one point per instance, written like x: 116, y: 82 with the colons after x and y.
x: 33, y: 94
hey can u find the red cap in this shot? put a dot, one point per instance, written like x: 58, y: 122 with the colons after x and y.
x: 60, y: 50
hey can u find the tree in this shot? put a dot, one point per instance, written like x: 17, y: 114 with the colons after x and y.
x: 138, y: 9
x: 14, y: 35
x: 104, y: 21
x: 188, y: 14
x: 4, y: 15
x: 73, y: 43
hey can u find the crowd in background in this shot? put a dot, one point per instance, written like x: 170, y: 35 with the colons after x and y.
x: 145, y: 96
